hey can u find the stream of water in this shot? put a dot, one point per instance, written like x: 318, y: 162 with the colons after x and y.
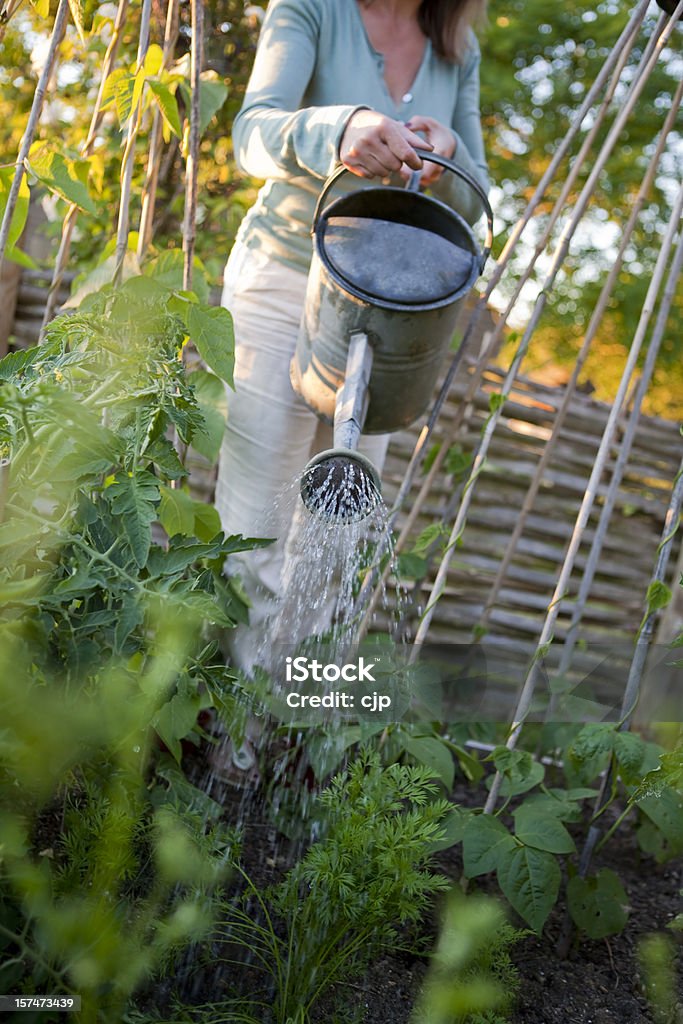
x: 327, y: 557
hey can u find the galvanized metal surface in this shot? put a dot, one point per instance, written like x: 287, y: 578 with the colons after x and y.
x: 394, y: 264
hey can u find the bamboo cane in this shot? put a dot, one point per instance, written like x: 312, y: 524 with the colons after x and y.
x: 622, y: 458
x: 149, y: 192
x: 631, y: 691
x: 128, y: 159
x: 72, y: 213
x: 647, y: 63
x: 482, y: 362
x: 593, y: 326
x: 546, y: 635
x: 192, y: 166
x: 625, y: 42
x: 32, y: 125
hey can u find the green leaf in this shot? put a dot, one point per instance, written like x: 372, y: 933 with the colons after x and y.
x: 22, y: 591
x: 665, y: 812
x: 164, y: 456
x: 558, y: 806
x: 128, y: 618
x: 154, y: 60
x: 168, y: 268
x: 543, y: 832
x: 629, y: 750
x: 176, y: 512
x: 211, y: 330
x: 118, y: 89
x: 430, y: 458
x: 452, y: 828
x: 598, y: 905
x: 139, y: 293
x: 212, y: 96
x: 520, y: 772
x: 432, y: 533
x: 651, y: 840
x: 41, y: 7
x: 432, y: 752
x: 168, y: 105
x: 15, y: 531
x: 457, y: 462
x: 183, y: 795
x: 20, y: 210
x: 496, y: 401
x: 668, y: 773
x: 325, y: 751
x: 200, y: 606
x: 177, y: 719
x: 410, y: 566
x: 470, y: 766
x: 180, y: 555
x: 134, y: 498
x: 486, y: 843
x: 595, y: 740
x: 530, y: 879
x: 658, y: 596
x: 92, y: 451
x: 210, y: 392
x: 23, y: 259
x: 207, y: 522
x: 61, y: 175
x: 139, y: 80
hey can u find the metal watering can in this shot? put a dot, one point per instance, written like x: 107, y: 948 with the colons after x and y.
x: 390, y: 270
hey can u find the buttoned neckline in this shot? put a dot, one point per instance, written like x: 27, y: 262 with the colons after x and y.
x: 378, y: 60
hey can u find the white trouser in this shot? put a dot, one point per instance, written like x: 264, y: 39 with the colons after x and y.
x: 271, y: 433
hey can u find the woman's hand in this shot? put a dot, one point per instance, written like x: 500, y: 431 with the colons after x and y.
x: 374, y: 145
x: 441, y: 140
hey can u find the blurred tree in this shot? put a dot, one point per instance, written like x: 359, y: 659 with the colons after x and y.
x: 538, y: 61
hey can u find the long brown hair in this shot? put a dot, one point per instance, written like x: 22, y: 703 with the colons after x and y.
x: 447, y: 22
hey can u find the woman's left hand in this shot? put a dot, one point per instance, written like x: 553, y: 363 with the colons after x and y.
x: 442, y: 141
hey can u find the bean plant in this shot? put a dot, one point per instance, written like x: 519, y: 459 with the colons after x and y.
x: 548, y: 800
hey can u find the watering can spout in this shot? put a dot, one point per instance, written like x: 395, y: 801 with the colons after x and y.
x: 392, y: 266
x: 340, y: 483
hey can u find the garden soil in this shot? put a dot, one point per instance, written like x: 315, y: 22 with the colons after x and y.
x: 598, y: 983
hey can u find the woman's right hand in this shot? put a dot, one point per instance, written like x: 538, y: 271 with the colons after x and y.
x: 374, y: 145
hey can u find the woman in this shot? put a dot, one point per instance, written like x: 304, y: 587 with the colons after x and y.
x: 333, y: 80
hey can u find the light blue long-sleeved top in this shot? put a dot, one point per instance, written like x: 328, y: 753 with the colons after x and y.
x: 314, y: 67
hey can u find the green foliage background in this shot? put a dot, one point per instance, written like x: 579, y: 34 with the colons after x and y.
x: 538, y: 61
x: 93, y: 631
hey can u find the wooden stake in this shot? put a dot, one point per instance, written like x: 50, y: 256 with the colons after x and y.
x: 32, y: 125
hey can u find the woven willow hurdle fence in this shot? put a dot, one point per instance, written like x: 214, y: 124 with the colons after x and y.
x: 570, y: 507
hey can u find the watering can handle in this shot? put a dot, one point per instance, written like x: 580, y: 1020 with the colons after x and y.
x: 434, y: 158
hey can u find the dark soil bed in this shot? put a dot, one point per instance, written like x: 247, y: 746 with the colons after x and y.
x: 598, y: 983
